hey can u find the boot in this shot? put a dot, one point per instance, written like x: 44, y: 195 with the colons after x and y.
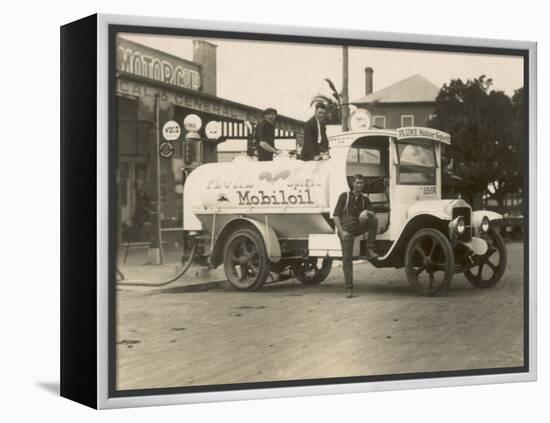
x: 349, y: 293
x: 370, y: 254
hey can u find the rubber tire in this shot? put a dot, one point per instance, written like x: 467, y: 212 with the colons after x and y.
x: 497, y: 276
x: 264, y: 266
x: 447, y: 250
x: 319, y: 276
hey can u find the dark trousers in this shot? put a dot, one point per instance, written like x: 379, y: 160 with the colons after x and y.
x: 355, y: 228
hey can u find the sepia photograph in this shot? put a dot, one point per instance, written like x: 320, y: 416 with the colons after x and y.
x: 295, y: 211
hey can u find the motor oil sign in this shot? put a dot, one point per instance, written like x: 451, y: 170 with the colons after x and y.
x: 171, y: 130
x: 275, y: 187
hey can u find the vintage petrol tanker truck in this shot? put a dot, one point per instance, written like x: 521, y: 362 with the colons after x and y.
x: 261, y: 217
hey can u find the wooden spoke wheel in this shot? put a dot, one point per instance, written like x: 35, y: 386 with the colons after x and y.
x: 488, y: 269
x: 429, y: 261
x: 245, y: 260
x: 312, y: 271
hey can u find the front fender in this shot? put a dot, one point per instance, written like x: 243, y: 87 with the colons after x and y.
x: 438, y: 214
x: 442, y: 209
x: 478, y: 215
x: 395, y: 255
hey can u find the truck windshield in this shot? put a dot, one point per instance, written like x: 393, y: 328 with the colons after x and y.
x: 417, y: 164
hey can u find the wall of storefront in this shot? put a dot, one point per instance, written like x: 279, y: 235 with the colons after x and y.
x: 137, y: 148
x: 154, y: 87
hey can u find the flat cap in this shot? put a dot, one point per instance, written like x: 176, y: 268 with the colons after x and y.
x: 269, y: 110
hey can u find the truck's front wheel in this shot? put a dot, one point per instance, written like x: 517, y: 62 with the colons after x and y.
x: 429, y: 261
x: 488, y: 269
x: 245, y: 260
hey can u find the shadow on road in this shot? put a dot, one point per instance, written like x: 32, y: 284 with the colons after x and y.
x: 291, y: 287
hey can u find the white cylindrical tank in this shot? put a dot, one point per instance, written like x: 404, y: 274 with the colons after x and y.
x: 245, y: 186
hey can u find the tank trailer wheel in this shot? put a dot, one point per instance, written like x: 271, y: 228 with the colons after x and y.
x: 245, y: 260
x: 312, y: 271
x: 488, y: 269
x: 429, y: 261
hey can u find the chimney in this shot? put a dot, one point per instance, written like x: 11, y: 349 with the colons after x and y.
x: 204, y: 54
x: 368, y: 80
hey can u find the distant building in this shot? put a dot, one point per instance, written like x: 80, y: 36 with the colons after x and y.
x: 409, y: 102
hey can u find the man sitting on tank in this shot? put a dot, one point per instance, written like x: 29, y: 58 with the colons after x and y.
x: 315, y: 135
x: 353, y: 216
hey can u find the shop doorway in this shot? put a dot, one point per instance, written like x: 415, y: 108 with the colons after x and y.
x: 134, y: 198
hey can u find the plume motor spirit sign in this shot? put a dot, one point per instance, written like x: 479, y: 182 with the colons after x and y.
x: 419, y: 132
x: 149, y: 63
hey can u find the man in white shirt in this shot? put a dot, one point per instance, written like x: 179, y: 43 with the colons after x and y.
x: 315, y: 134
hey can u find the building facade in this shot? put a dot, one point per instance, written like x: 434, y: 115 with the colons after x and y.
x: 153, y: 88
x: 409, y: 102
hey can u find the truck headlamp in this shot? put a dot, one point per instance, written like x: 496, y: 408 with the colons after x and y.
x: 459, y: 225
x: 484, y: 224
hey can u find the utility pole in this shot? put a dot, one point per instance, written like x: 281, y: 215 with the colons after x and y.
x: 345, y: 96
x: 155, y: 253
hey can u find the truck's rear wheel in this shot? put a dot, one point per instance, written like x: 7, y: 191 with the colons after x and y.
x: 429, y: 261
x: 245, y: 260
x: 312, y: 271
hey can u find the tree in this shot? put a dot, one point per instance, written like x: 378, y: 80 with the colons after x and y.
x: 337, y: 109
x: 486, y: 132
x: 333, y: 105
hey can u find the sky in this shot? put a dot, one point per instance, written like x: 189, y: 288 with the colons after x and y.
x: 288, y: 75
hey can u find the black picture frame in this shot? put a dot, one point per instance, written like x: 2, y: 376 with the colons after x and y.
x: 89, y: 194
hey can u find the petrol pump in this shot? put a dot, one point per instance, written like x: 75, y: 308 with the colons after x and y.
x: 197, y: 151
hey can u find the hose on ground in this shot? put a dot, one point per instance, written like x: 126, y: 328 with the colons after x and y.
x: 184, y: 269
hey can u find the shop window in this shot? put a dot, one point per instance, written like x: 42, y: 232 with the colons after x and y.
x: 134, y: 135
x: 144, y: 137
x: 127, y: 108
x: 124, y: 176
x: 127, y: 134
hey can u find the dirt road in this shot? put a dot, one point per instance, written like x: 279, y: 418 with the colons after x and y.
x: 287, y: 331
